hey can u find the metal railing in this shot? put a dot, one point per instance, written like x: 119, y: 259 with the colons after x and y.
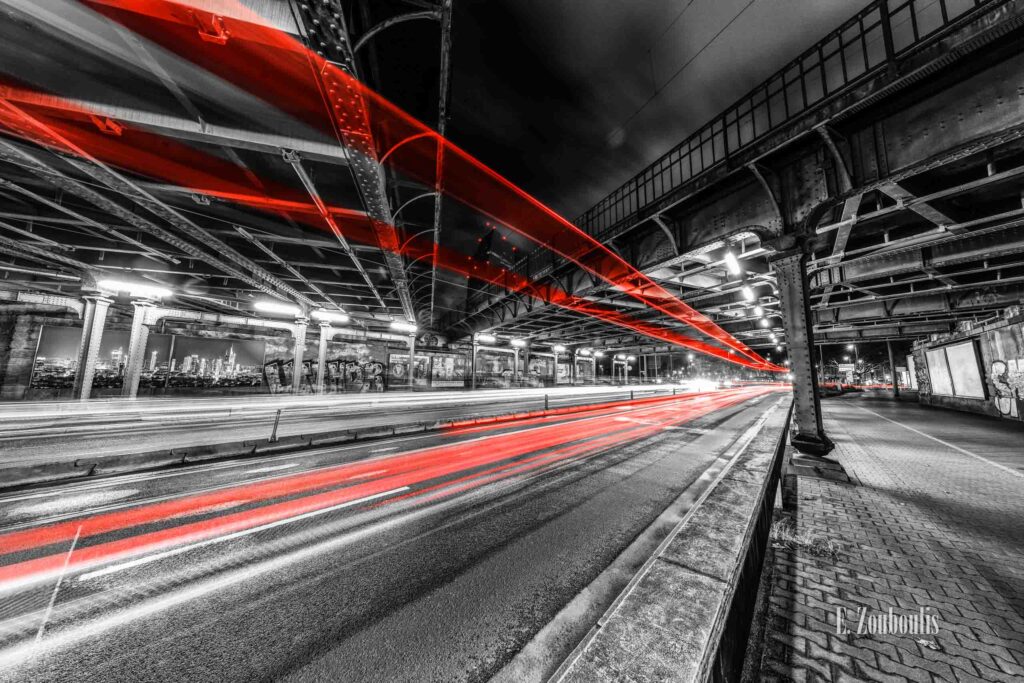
x: 861, y: 48
x: 884, y: 31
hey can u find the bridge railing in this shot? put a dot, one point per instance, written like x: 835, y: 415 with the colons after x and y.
x: 863, y: 46
x: 881, y: 33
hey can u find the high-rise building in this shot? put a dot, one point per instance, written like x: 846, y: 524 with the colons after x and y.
x: 174, y: 364
x: 152, y: 362
x: 202, y: 367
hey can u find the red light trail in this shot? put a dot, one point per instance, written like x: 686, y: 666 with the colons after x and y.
x: 158, y: 157
x: 280, y: 70
x: 448, y: 468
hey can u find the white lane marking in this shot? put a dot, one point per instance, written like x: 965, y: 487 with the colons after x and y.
x: 649, y: 423
x: 364, y: 475
x: 274, y: 468
x: 238, y: 534
x: 383, y: 450
x: 983, y: 459
x: 62, y: 505
x: 200, y: 469
x: 56, y: 587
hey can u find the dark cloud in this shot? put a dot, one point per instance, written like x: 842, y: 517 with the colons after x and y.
x: 570, y: 98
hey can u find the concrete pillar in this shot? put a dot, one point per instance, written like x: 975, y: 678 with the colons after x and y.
x: 892, y: 371
x: 808, y: 435
x: 300, y: 347
x: 321, y: 356
x: 93, y: 318
x: 136, y: 350
x: 515, y: 367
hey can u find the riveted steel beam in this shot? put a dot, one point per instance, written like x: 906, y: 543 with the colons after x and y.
x: 355, y: 137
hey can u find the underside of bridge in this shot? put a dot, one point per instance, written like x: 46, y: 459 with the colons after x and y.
x: 873, y: 183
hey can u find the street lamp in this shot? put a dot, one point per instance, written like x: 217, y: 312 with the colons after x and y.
x: 486, y: 338
x: 856, y: 352
x: 732, y: 263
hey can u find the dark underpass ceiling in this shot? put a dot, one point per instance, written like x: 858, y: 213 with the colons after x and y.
x: 568, y: 100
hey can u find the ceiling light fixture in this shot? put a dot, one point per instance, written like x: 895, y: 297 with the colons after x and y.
x: 402, y: 326
x: 278, y: 307
x: 134, y: 288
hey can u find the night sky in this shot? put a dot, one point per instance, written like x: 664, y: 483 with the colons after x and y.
x: 571, y: 98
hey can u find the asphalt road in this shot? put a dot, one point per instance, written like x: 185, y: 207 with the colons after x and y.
x: 433, y: 557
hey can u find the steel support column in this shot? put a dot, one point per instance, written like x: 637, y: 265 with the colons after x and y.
x: 808, y: 435
x: 412, y: 361
x: 526, y: 363
x: 472, y: 368
x: 892, y: 370
x: 321, y: 356
x: 94, y: 315
x: 300, y: 348
x: 136, y: 350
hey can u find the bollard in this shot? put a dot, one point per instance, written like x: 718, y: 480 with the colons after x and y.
x: 630, y: 394
x: 673, y: 391
x: 277, y: 421
x: 545, y: 402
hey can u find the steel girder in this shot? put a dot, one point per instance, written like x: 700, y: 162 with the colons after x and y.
x: 353, y: 137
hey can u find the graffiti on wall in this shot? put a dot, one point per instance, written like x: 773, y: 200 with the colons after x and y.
x: 1008, y: 380
x: 360, y: 376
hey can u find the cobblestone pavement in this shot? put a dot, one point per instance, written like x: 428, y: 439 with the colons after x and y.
x: 923, y: 525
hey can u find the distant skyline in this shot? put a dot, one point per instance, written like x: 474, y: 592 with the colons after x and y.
x: 247, y: 352
x: 62, y: 342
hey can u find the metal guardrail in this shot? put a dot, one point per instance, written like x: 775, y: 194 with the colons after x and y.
x: 127, y: 424
x: 862, y: 47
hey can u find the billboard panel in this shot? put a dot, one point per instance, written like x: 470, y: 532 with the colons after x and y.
x: 938, y: 372
x: 964, y: 370
x: 447, y: 370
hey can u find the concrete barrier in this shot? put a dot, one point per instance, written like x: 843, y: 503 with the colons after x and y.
x: 686, y: 614
x: 16, y: 475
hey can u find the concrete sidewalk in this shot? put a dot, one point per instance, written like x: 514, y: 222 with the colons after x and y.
x: 932, y: 519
